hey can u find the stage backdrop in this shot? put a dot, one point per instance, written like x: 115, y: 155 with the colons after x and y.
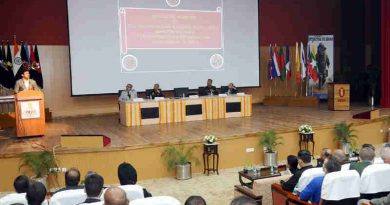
x: 320, y: 48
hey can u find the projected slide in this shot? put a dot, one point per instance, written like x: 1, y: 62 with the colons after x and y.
x: 160, y: 29
x: 176, y: 43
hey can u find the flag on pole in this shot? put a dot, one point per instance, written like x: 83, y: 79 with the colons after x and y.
x: 288, y: 69
x: 274, y: 72
x: 303, y: 61
x: 311, y: 64
x: 282, y: 63
x: 9, y: 80
x: 275, y: 62
x: 297, y: 64
x: 17, y: 59
x: 25, y: 65
x: 269, y: 65
x: 37, y: 70
x: 2, y: 54
x: 26, y: 50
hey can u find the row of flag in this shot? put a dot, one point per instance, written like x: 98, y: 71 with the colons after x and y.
x: 279, y: 65
x: 12, y: 65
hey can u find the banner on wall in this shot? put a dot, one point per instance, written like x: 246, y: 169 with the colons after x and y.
x: 320, y: 57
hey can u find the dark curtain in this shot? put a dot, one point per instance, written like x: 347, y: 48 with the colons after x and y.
x: 385, y: 53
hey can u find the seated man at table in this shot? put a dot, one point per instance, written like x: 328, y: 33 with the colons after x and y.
x: 304, y: 162
x: 312, y: 192
x: 366, y: 156
x: 128, y: 94
x: 232, y: 89
x: 210, y: 89
x: 156, y: 92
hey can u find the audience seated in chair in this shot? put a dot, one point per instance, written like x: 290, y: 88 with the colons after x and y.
x: 312, y: 192
x: 128, y: 176
x: 304, y: 161
x: 325, y: 153
x: 93, y: 187
x: 36, y: 193
x: 366, y: 155
x: 72, y: 180
x: 115, y: 196
x: 340, y: 156
x: 195, y: 200
x: 21, y: 184
x: 292, y: 164
x: 385, y: 155
x: 243, y: 200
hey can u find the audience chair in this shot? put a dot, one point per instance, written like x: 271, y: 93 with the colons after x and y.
x: 76, y: 196
x: 340, y: 188
x: 345, y: 167
x: 13, y: 199
x: 374, y: 181
x: 378, y: 160
x: 280, y: 196
x: 132, y: 192
x: 201, y: 91
x: 307, y: 176
x: 156, y: 200
x: 95, y: 203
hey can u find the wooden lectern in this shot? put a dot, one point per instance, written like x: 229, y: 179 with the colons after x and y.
x: 29, y: 113
x: 338, y: 96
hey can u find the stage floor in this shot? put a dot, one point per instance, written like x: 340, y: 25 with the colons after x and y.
x: 263, y: 118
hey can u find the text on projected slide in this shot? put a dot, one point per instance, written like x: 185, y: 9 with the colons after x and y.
x: 163, y: 29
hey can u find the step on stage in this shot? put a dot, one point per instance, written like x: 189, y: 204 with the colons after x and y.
x: 282, y: 119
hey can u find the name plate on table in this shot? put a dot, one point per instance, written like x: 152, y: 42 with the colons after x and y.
x: 222, y: 95
x: 159, y: 98
x: 138, y: 100
x: 240, y: 94
x: 193, y: 96
x: 30, y: 109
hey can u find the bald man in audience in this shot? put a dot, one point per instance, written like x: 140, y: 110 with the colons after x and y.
x: 340, y: 155
x: 72, y: 180
x: 115, y: 196
x: 366, y: 155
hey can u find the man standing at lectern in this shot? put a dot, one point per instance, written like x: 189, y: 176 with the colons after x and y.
x: 25, y: 83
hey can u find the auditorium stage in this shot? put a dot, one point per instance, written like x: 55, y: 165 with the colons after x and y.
x: 282, y: 119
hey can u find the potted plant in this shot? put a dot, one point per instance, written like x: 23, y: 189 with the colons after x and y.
x: 209, y: 139
x: 269, y: 140
x: 305, y: 129
x: 40, y: 163
x: 344, y: 134
x: 179, y: 158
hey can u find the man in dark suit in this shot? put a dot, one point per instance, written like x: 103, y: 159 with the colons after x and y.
x: 304, y: 162
x: 25, y: 83
x: 210, y: 89
x: 93, y: 188
x: 72, y: 179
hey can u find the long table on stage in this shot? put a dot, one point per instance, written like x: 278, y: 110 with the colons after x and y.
x: 184, y: 109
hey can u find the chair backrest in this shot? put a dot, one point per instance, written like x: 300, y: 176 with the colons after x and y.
x: 178, y: 92
x: 156, y: 200
x: 345, y: 167
x: 75, y: 196
x: 95, y: 203
x: 133, y: 192
x: 201, y: 91
x: 378, y: 160
x: 148, y: 93
x: 307, y: 176
x: 224, y: 89
x: 374, y: 179
x: 341, y: 185
x: 13, y: 199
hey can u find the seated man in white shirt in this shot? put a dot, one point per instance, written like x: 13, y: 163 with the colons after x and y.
x: 128, y: 94
x: 21, y: 184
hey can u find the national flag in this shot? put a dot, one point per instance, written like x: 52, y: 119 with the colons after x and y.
x: 311, y: 64
x: 2, y: 54
x: 288, y: 69
x: 25, y: 65
x: 26, y: 50
x: 275, y: 62
x: 282, y: 64
x: 37, y: 70
x: 297, y: 64
x: 273, y: 70
x: 17, y: 59
x: 303, y: 66
x: 269, y: 65
x: 8, y: 80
